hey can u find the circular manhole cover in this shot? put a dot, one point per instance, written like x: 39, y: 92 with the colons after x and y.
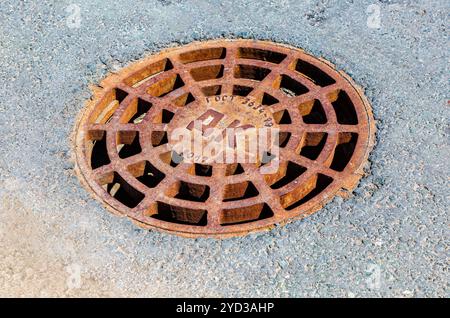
x: 223, y: 138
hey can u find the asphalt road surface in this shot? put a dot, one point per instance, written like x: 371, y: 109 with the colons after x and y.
x: 389, y: 239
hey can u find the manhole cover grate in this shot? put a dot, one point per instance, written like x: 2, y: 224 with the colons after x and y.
x: 125, y: 144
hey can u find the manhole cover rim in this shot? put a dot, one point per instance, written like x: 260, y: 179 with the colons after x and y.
x: 352, y: 178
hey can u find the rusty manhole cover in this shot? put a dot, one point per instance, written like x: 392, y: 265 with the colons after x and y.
x: 125, y: 150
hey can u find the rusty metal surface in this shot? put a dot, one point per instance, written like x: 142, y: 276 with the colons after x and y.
x: 123, y: 155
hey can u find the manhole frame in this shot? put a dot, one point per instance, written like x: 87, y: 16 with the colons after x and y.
x: 342, y: 188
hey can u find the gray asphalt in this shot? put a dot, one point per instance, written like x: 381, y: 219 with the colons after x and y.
x: 390, y: 238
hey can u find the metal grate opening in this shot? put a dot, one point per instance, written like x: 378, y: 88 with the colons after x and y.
x: 123, y: 139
